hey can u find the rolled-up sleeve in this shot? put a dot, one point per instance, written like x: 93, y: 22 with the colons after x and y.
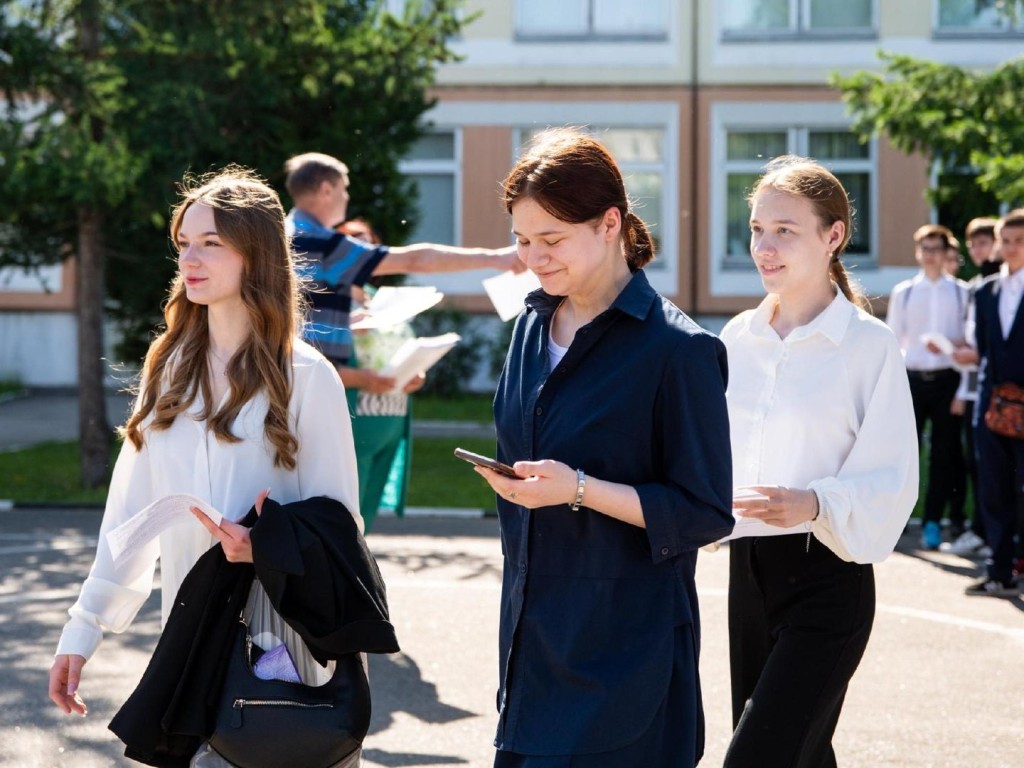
x: 692, y: 506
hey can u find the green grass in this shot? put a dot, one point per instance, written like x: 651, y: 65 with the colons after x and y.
x: 10, y: 387
x: 49, y: 473
x: 463, y: 408
x: 441, y: 480
x: 46, y: 472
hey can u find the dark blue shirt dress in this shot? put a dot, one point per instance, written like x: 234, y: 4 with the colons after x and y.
x: 599, y: 625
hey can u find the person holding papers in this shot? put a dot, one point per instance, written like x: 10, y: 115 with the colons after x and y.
x: 337, y: 263
x: 381, y: 421
x: 825, y: 462
x: 231, y: 404
x: 611, y: 407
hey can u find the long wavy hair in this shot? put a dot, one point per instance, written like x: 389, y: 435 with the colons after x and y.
x: 803, y: 177
x: 250, y: 219
x: 575, y: 179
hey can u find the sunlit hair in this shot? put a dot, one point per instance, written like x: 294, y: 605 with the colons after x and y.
x: 1014, y: 218
x: 305, y: 173
x: 249, y: 219
x: 805, y: 178
x: 981, y: 225
x: 945, y: 234
x: 574, y: 178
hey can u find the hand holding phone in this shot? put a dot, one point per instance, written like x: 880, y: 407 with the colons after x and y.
x: 484, y: 461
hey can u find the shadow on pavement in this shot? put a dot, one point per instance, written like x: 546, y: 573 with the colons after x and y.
x: 407, y: 758
x: 398, y: 686
x: 971, y: 569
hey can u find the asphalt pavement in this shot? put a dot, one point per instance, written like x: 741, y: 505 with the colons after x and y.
x: 940, y: 685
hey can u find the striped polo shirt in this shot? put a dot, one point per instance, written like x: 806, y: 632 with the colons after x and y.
x: 333, y: 262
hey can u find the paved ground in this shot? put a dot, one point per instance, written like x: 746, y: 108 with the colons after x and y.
x: 940, y: 687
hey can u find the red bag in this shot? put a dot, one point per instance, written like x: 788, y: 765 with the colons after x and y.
x: 1005, y: 414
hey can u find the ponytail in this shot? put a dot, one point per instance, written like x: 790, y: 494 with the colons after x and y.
x: 639, y: 245
x: 851, y: 290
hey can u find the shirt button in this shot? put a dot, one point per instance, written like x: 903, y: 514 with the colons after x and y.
x: 664, y: 550
x: 539, y: 411
x: 522, y: 568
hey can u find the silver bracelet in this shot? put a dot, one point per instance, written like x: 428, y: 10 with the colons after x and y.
x: 581, y: 484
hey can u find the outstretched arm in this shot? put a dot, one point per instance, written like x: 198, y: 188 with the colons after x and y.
x: 429, y: 257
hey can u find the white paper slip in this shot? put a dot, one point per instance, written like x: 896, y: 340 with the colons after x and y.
x: 417, y: 356
x: 132, y: 535
x: 394, y: 305
x: 945, y: 345
x: 508, y: 290
x: 747, y: 494
x: 751, y: 526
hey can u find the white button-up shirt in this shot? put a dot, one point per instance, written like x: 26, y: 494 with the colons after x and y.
x: 827, y: 408
x: 186, y: 458
x: 1010, y: 291
x: 919, y: 306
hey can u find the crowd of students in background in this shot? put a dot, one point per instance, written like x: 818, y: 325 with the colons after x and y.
x: 952, y: 371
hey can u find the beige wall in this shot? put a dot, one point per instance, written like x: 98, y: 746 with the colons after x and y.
x: 902, y: 181
x: 61, y: 300
x: 485, y: 160
x: 905, y: 18
x: 490, y: 53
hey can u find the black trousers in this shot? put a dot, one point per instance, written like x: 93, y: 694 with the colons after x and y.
x: 799, y: 621
x: 971, y: 465
x: 1000, y: 475
x: 932, y: 394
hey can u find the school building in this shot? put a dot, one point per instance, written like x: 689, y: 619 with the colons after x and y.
x: 691, y: 96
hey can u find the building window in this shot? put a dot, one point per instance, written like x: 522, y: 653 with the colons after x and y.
x: 640, y: 154
x: 979, y: 17
x: 592, y: 19
x: 433, y: 164
x: 761, y: 18
x: 748, y: 150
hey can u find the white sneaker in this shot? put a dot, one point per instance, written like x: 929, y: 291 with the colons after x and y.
x: 967, y: 543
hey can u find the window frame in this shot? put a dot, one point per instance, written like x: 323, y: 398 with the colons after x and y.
x: 441, y: 167
x: 1007, y: 31
x: 799, y: 27
x: 590, y: 35
x: 734, y: 274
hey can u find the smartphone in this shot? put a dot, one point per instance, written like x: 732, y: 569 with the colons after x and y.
x: 483, y: 461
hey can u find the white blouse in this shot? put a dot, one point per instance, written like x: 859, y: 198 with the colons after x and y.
x: 186, y: 458
x: 828, y: 409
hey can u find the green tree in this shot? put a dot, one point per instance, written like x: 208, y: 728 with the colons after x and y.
x: 64, y: 168
x: 960, y: 118
x: 109, y: 102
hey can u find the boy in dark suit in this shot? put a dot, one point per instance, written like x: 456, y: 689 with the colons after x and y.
x: 999, y: 340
